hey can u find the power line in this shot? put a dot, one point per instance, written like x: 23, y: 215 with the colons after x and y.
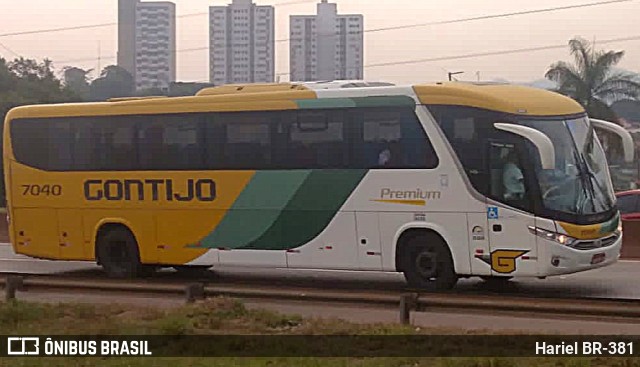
x: 477, y: 18
x: 51, y: 30
x: 111, y: 24
x: 9, y: 50
x: 417, y: 25
x: 457, y: 57
x: 483, y: 54
x: 503, y: 15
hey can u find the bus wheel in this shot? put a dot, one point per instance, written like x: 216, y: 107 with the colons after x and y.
x: 192, y: 271
x: 119, y: 255
x: 428, y: 264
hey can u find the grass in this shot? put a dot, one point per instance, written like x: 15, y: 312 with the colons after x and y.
x: 224, y: 316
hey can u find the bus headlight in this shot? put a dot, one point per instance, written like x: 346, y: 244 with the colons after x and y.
x: 560, y: 238
x: 619, y: 230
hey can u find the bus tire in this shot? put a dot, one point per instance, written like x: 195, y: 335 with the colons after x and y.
x: 117, y: 252
x: 427, y: 263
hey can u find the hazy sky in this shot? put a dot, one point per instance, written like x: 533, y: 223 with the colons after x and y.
x: 600, y: 23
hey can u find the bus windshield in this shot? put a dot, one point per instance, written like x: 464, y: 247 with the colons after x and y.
x: 580, y: 182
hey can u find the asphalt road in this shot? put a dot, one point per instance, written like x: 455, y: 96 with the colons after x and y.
x: 617, y: 281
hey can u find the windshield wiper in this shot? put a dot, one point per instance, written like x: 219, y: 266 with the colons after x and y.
x: 594, y: 178
x: 589, y: 146
x: 589, y: 178
x: 587, y: 185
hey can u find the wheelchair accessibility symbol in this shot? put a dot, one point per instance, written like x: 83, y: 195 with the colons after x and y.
x: 492, y: 212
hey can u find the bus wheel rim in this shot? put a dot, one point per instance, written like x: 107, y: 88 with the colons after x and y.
x: 427, y: 264
x: 119, y: 255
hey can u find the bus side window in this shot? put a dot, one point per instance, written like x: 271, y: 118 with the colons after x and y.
x: 247, y: 142
x: 150, y: 140
x: 30, y: 140
x: 214, y: 139
x: 317, y: 140
x: 120, y: 146
x: 171, y: 142
x: 85, y: 146
x: 60, y: 145
x: 394, y: 138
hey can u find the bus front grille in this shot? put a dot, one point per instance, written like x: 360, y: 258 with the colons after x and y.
x: 596, y: 244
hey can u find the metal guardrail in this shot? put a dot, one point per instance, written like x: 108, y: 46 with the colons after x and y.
x: 406, y: 303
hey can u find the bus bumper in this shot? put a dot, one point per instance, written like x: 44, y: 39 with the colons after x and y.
x: 565, y: 260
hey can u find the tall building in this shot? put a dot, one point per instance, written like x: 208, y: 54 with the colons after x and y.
x: 127, y: 35
x: 241, y: 43
x: 326, y: 46
x: 147, y: 42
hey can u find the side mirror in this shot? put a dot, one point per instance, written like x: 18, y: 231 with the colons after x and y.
x: 627, y: 140
x: 545, y: 146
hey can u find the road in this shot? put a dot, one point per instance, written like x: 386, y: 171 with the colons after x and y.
x: 617, y: 281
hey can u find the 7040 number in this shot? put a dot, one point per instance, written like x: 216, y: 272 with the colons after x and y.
x: 41, y: 190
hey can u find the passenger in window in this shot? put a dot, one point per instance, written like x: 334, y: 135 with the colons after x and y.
x: 384, y: 158
x: 512, y: 178
x: 397, y: 154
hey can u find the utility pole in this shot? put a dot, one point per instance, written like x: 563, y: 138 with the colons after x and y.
x: 451, y: 74
x: 99, y: 57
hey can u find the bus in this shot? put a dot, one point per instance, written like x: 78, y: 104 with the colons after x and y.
x: 437, y: 181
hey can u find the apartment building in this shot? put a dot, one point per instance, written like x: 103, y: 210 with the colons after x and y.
x: 147, y: 42
x: 242, y: 44
x: 326, y: 46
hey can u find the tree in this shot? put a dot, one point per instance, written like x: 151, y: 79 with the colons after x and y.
x: 591, y: 80
x: 114, y: 82
x: 593, y: 83
x: 150, y: 92
x: 77, y: 80
x: 24, y: 82
x: 36, y: 82
x: 180, y: 89
x: 7, y: 79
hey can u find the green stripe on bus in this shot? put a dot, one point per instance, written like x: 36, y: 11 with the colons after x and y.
x: 325, y: 103
x: 310, y: 210
x: 384, y: 101
x: 256, y: 209
x: 611, y: 225
x: 362, y: 102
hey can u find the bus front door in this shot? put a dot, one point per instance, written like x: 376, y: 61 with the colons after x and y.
x: 513, y: 248
x: 511, y: 244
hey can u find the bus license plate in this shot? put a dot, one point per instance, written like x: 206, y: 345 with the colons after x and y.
x: 597, y: 259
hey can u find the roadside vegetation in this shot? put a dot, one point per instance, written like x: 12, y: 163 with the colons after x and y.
x: 223, y: 316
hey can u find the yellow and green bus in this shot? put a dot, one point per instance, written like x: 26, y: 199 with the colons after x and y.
x: 437, y: 181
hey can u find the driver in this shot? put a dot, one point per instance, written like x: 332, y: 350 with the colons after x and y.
x: 512, y: 178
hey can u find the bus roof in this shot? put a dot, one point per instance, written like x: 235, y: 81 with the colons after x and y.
x: 512, y: 99
x: 508, y: 98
